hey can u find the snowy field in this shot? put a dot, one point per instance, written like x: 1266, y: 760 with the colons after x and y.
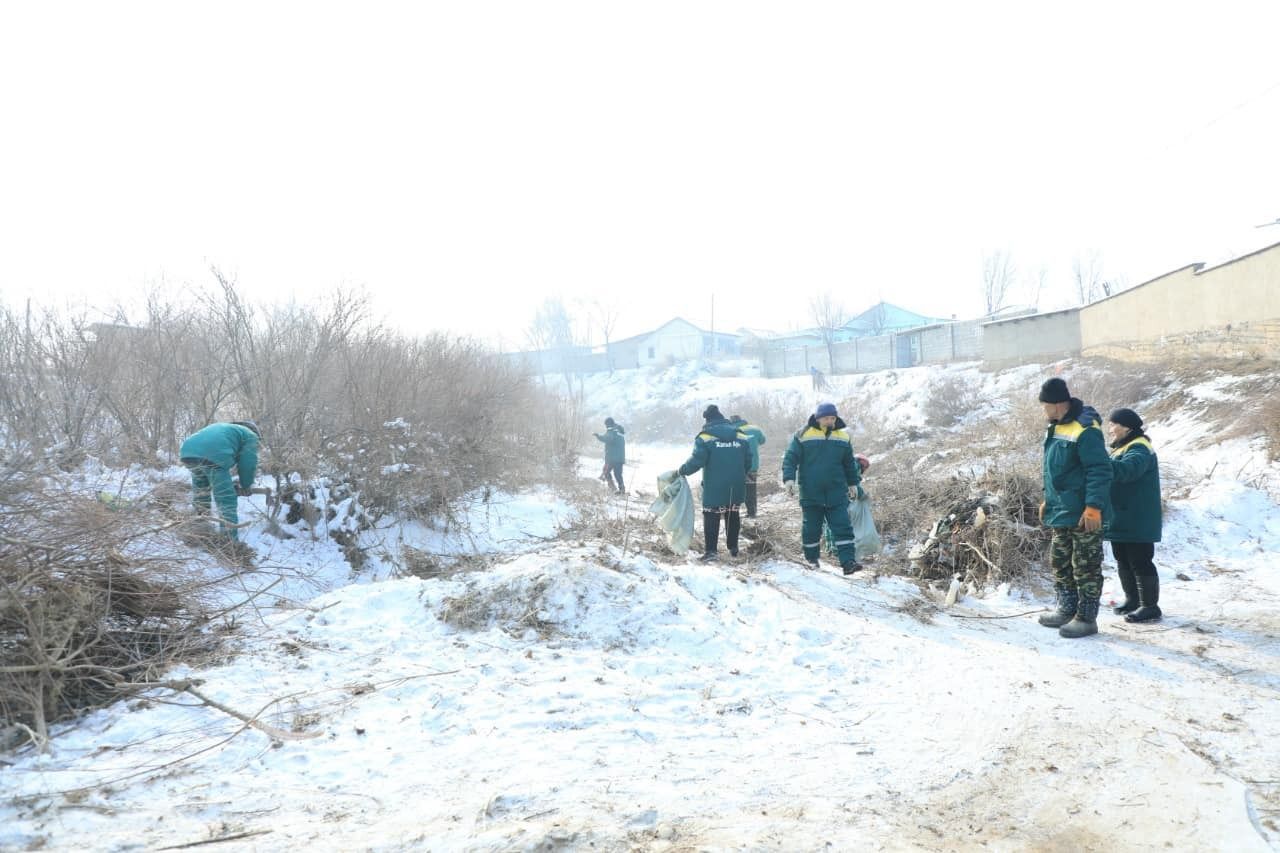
x: 573, y: 697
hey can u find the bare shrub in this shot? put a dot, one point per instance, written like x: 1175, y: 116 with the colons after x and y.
x: 414, y: 426
x: 84, y: 620
x: 950, y: 399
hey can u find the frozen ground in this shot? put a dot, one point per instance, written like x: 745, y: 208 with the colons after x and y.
x: 570, y: 696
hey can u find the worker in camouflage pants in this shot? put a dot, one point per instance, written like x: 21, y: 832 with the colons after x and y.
x: 1076, y: 558
x: 1077, y: 491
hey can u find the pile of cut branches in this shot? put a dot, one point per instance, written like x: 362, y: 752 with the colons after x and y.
x: 986, y: 531
x: 87, y: 614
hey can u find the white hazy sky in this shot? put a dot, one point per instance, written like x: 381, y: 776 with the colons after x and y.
x: 461, y: 162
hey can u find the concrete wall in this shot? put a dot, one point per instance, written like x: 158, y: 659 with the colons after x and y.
x: 875, y: 353
x: 1229, y: 310
x: 933, y: 345
x: 1038, y: 337
x: 948, y: 342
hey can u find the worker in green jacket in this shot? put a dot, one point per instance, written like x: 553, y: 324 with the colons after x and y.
x: 1077, y: 497
x: 1135, y: 523
x: 724, y: 456
x: 615, y: 453
x: 210, y: 454
x: 756, y: 436
x: 819, y: 467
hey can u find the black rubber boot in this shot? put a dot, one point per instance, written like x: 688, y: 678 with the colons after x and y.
x: 732, y: 527
x: 850, y: 567
x: 1130, y: 587
x: 1068, y: 600
x: 710, y: 535
x: 1085, y: 623
x: 1149, y: 596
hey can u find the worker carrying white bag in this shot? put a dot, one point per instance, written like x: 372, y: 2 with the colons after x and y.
x: 674, y: 509
x: 866, y: 541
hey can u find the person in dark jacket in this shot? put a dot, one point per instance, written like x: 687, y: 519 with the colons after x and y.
x: 819, y: 466
x: 1077, y: 497
x: 615, y: 453
x: 1135, y: 523
x: 756, y: 436
x: 723, y: 454
x: 210, y: 454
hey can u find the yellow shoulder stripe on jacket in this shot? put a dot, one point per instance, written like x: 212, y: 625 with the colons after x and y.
x: 815, y: 434
x: 1072, y: 431
x: 1119, y: 451
x: 739, y: 436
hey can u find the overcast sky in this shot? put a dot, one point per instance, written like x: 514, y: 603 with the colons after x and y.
x: 463, y: 161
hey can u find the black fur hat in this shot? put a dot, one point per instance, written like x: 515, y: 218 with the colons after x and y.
x: 1054, y: 390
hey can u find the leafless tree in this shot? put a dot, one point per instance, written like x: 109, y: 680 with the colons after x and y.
x: 1086, y: 271
x: 1035, y: 287
x: 828, y: 315
x: 606, y: 316
x: 998, y: 276
x: 552, y: 332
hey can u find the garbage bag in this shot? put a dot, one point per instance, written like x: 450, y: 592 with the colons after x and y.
x: 674, y: 509
x: 866, y: 541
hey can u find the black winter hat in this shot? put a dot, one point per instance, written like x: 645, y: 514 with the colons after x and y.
x: 249, y: 425
x: 609, y: 422
x: 1126, y: 418
x: 1054, y: 390
x: 712, y: 413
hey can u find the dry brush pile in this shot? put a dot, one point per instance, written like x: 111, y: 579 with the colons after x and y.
x: 88, y: 613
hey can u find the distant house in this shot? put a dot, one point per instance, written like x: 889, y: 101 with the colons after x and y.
x: 880, y: 319
x: 884, y: 318
x: 675, y: 340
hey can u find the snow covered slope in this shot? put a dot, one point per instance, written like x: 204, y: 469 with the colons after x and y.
x: 573, y: 696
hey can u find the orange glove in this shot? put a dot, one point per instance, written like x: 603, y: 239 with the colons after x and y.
x: 1042, y: 512
x: 1091, y: 520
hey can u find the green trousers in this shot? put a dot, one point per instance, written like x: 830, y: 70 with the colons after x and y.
x: 837, y: 518
x: 210, y: 482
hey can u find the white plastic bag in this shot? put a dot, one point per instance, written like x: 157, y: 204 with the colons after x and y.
x: 866, y: 541
x: 674, y: 509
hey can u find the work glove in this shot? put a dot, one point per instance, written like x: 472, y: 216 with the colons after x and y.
x: 857, y: 493
x: 790, y: 486
x: 1091, y: 520
x: 243, y: 492
x: 1042, y: 512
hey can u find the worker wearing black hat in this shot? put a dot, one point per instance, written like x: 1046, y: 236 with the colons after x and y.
x: 1077, y: 497
x: 1135, y: 522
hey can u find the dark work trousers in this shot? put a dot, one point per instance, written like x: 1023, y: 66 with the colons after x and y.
x: 751, y: 493
x: 1137, y: 558
x: 837, y: 518
x: 711, y: 528
x: 614, y: 468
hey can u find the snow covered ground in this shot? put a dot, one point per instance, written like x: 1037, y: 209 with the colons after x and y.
x: 572, y: 696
